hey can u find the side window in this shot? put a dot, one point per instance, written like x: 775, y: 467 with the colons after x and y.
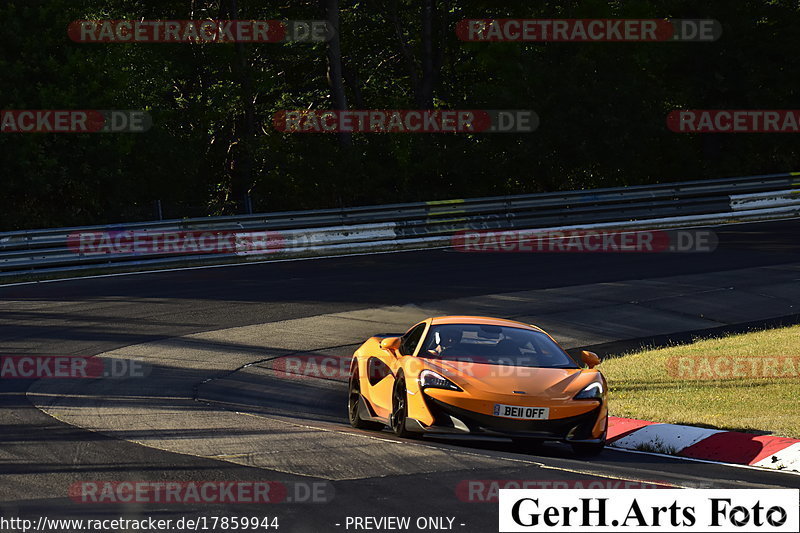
x: 409, y: 341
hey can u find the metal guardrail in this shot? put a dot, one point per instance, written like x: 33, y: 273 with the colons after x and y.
x: 413, y: 224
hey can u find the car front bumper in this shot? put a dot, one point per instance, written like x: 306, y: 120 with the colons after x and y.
x: 449, y: 419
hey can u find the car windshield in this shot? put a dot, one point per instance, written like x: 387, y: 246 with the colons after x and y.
x: 494, y: 345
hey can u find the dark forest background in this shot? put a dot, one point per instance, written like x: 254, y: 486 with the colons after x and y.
x: 602, y: 106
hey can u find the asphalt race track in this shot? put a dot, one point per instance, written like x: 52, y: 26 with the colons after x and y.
x: 218, y: 404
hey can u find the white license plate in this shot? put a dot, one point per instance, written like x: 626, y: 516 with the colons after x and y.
x: 523, y: 413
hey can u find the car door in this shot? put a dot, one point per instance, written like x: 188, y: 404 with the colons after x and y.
x: 383, y: 366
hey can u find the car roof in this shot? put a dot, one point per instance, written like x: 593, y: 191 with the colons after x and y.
x: 484, y: 320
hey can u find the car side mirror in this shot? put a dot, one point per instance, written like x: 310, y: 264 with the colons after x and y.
x: 391, y: 344
x: 590, y: 359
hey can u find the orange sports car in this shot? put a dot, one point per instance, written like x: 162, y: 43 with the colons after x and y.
x: 476, y: 375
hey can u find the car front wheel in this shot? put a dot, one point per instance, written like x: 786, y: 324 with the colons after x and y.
x: 400, y: 409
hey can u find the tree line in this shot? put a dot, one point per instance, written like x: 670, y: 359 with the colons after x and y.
x: 213, y: 150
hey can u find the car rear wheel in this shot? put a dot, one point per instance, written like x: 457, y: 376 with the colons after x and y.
x: 585, y: 449
x: 353, y: 403
x: 400, y: 409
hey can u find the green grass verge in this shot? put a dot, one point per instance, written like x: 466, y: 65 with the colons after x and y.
x: 748, y: 382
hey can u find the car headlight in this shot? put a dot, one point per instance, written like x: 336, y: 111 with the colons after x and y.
x: 428, y: 379
x: 593, y: 391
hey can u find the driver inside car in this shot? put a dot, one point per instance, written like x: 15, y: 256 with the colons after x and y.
x: 445, y: 339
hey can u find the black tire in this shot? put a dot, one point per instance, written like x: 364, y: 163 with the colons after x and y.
x: 400, y: 409
x: 353, y: 401
x: 584, y: 449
